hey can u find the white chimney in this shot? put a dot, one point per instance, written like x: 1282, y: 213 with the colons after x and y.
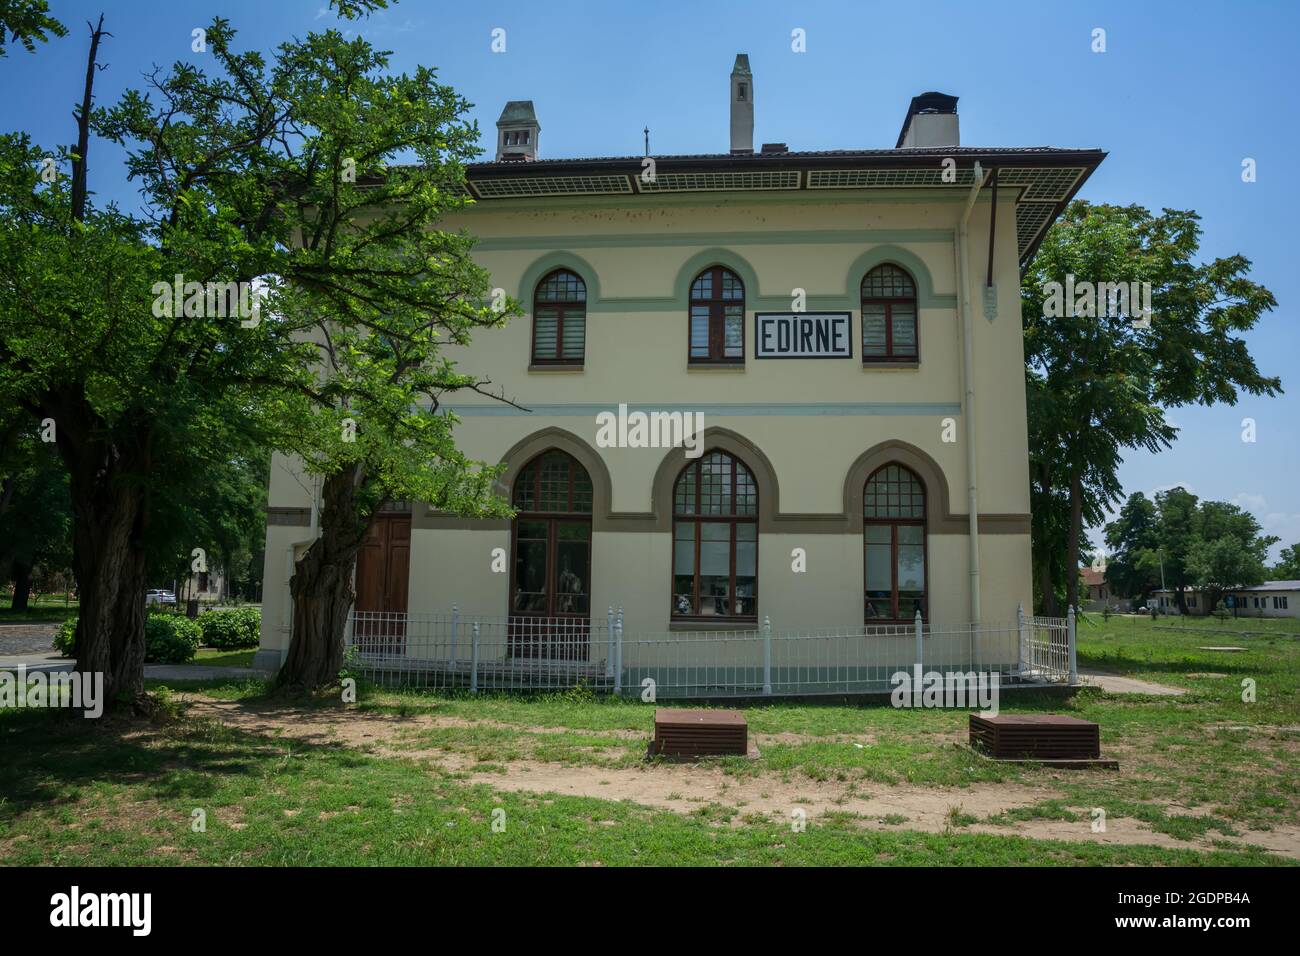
x: 931, y: 121
x: 742, y: 106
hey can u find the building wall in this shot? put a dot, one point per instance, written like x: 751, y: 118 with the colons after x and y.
x: 809, y: 421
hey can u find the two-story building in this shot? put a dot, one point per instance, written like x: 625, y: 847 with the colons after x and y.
x: 845, y: 323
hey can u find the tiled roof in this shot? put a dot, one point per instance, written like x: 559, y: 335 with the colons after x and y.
x: 1092, y: 577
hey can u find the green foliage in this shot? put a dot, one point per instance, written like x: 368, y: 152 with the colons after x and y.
x: 65, y: 638
x: 28, y: 22
x: 35, y: 510
x: 1288, y: 567
x: 231, y: 630
x: 1129, y: 536
x: 169, y: 638
x: 1211, y: 545
x: 1098, y: 385
x: 315, y: 172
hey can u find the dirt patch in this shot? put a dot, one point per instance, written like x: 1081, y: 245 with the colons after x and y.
x: 686, y: 788
x: 357, y: 728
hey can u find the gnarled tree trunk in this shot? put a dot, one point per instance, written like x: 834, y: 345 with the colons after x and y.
x: 321, y: 587
x: 110, y: 512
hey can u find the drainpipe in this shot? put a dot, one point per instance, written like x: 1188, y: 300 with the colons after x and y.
x: 968, y: 379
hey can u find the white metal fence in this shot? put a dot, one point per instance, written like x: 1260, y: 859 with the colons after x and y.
x: 1048, y: 648
x: 479, y: 653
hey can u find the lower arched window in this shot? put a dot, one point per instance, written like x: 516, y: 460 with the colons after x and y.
x: 552, y: 538
x: 715, y: 540
x: 893, y: 518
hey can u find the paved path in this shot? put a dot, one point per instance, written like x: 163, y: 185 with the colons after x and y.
x: 24, y: 639
x: 1118, y: 684
x: 53, y: 662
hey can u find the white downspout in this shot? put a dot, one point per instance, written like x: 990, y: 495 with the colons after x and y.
x: 968, y: 379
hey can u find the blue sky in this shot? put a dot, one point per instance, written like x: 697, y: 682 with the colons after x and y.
x: 1184, y: 92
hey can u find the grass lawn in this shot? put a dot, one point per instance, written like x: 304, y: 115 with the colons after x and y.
x: 212, y: 657
x: 405, y: 777
x: 46, y: 610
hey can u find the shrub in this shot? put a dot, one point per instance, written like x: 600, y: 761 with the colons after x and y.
x: 65, y: 636
x: 168, y: 638
x: 231, y: 630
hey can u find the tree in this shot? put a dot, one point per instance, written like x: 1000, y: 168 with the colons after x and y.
x: 1099, y: 379
x: 253, y: 174
x: 1210, y: 545
x: 1288, y: 565
x: 1174, y: 535
x: 1131, y: 534
x: 1218, y: 564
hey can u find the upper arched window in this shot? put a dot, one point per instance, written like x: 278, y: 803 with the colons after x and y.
x: 560, y: 319
x: 893, y: 517
x: 717, y: 317
x: 889, y: 315
x: 715, y: 539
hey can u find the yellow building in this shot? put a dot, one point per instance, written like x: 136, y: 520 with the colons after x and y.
x: 844, y: 324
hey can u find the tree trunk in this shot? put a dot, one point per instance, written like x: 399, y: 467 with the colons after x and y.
x: 1072, y: 543
x: 110, y: 568
x: 110, y: 511
x: 1045, y: 585
x: 22, y: 577
x: 321, y: 587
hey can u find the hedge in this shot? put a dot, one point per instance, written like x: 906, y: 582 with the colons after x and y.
x: 168, y: 638
x: 231, y: 629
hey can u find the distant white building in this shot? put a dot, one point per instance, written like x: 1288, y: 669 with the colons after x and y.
x: 1270, y: 599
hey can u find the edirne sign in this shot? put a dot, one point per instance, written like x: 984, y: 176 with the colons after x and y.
x: 786, y: 335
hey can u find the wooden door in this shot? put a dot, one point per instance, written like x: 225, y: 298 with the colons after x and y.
x: 383, y: 572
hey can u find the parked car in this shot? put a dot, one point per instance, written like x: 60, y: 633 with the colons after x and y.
x: 158, y: 596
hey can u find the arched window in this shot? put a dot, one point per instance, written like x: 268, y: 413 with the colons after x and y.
x: 715, y: 540
x: 552, y: 537
x: 889, y: 315
x: 560, y: 319
x: 893, y: 516
x: 717, y: 318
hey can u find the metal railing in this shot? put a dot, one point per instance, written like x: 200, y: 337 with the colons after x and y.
x: 483, y: 653
x: 1047, y: 648
x: 478, y: 653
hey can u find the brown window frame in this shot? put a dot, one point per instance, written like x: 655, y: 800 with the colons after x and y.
x: 561, y: 309
x: 696, y: 520
x: 552, y: 520
x: 889, y: 302
x: 717, y: 306
x: 894, y: 523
